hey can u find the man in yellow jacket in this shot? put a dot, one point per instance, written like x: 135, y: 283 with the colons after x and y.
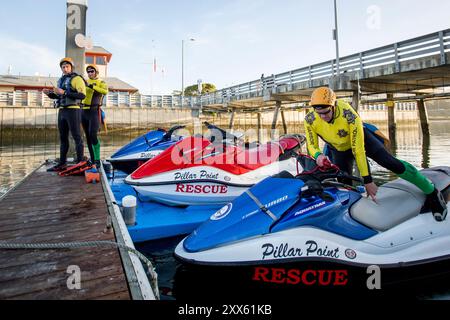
x: 70, y: 92
x: 91, y: 117
x: 338, y: 124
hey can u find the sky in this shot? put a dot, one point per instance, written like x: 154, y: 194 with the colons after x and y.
x: 235, y: 40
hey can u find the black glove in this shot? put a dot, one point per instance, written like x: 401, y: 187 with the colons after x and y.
x: 91, y: 86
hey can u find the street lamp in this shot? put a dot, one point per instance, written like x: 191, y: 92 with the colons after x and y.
x: 336, y: 37
x: 182, y: 68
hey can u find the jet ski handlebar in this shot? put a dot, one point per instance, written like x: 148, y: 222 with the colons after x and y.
x: 225, y: 134
x: 328, y: 171
x: 169, y: 133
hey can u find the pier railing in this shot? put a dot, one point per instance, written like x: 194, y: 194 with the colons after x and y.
x: 390, y: 56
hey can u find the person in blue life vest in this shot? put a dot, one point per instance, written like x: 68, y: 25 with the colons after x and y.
x: 69, y: 93
x: 91, y: 115
x: 338, y: 124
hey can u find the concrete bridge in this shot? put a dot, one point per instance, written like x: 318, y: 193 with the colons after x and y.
x: 412, y: 67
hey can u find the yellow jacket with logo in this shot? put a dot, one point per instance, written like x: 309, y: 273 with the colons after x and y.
x: 344, y: 132
x: 95, y: 90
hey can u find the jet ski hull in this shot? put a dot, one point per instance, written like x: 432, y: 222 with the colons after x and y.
x: 131, y: 163
x: 140, y: 150
x: 313, y: 278
x: 186, y: 194
x: 311, y: 260
x: 203, y: 185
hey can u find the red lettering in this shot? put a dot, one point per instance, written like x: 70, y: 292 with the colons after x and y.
x: 341, y: 278
x: 322, y: 280
x: 206, y: 187
x: 180, y: 188
x: 189, y: 188
x: 293, y: 276
x: 305, y: 280
x: 261, y: 274
x: 198, y: 189
x: 215, y: 189
x: 278, y: 275
x: 223, y: 189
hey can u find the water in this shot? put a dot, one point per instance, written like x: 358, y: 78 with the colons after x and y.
x: 21, y: 151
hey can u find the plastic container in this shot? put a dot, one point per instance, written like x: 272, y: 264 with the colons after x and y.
x: 129, y: 204
x: 92, y: 176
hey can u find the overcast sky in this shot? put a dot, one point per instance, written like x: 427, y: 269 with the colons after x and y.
x: 235, y: 40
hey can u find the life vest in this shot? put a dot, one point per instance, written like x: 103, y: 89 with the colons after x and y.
x: 65, y: 83
x: 94, y: 98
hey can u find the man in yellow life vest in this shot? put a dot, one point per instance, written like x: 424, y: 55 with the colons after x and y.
x: 91, y: 117
x: 338, y: 124
x: 70, y: 92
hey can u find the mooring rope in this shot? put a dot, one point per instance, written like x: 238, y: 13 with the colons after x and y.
x: 75, y: 245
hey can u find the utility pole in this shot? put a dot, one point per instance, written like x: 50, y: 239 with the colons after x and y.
x: 336, y: 37
x: 182, y: 70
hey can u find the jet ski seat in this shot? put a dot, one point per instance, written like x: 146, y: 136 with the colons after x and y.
x: 398, y: 201
x: 255, y: 158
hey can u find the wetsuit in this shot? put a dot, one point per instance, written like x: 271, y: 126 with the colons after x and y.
x: 348, y: 140
x: 69, y: 115
x: 95, y: 91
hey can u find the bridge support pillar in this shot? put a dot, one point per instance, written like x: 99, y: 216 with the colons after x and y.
x: 233, y: 114
x: 259, y: 127
x: 423, y: 116
x: 275, y: 119
x: 392, y: 127
x: 355, y: 100
x: 283, y: 119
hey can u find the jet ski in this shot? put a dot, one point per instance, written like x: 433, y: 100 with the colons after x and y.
x: 144, y: 148
x: 214, y: 170
x: 314, y: 234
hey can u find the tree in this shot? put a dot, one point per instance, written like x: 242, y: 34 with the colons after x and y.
x: 193, y: 90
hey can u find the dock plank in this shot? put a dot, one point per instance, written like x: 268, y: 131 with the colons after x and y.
x: 47, y: 208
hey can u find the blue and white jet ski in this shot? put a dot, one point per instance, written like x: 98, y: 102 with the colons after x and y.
x: 314, y: 232
x: 144, y: 148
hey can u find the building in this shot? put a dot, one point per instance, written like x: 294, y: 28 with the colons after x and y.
x: 18, y: 90
x: 100, y: 57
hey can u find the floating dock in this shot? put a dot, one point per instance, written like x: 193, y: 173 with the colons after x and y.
x: 45, y: 208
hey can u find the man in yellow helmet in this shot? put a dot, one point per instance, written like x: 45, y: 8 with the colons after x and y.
x: 338, y: 124
x: 70, y: 92
x: 91, y: 117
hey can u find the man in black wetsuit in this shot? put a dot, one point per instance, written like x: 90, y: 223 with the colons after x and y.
x: 91, y: 115
x: 70, y: 92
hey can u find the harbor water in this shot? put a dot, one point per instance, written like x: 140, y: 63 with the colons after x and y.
x: 21, y: 151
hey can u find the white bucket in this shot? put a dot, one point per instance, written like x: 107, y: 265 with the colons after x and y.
x: 129, y: 204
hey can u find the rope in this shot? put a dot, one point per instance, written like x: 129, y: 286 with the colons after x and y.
x: 75, y: 245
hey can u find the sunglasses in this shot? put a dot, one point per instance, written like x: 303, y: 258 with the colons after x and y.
x: 91, y: 71
x: 323, y: 113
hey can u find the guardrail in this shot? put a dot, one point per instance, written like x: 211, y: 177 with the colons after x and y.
x: 437, y: 43
x: 425, y: 46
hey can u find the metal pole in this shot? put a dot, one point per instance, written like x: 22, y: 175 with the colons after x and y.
x: 182, y: 72
x: 336, y: 37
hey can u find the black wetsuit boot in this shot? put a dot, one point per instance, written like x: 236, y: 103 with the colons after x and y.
x: 437, y: 204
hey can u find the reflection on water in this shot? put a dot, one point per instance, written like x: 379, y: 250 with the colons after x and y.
x: 21, y: 151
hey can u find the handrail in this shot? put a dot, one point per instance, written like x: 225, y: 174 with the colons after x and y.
x: 437, y: 43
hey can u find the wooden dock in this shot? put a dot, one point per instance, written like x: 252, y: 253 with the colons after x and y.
x: 47, y: 208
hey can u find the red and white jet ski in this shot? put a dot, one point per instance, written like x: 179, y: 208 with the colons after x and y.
x: 196, y: 171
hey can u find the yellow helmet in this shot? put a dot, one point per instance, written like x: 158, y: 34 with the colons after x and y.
x: 67, y: 60
x: 92, y: 66
x: 323, y: 96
